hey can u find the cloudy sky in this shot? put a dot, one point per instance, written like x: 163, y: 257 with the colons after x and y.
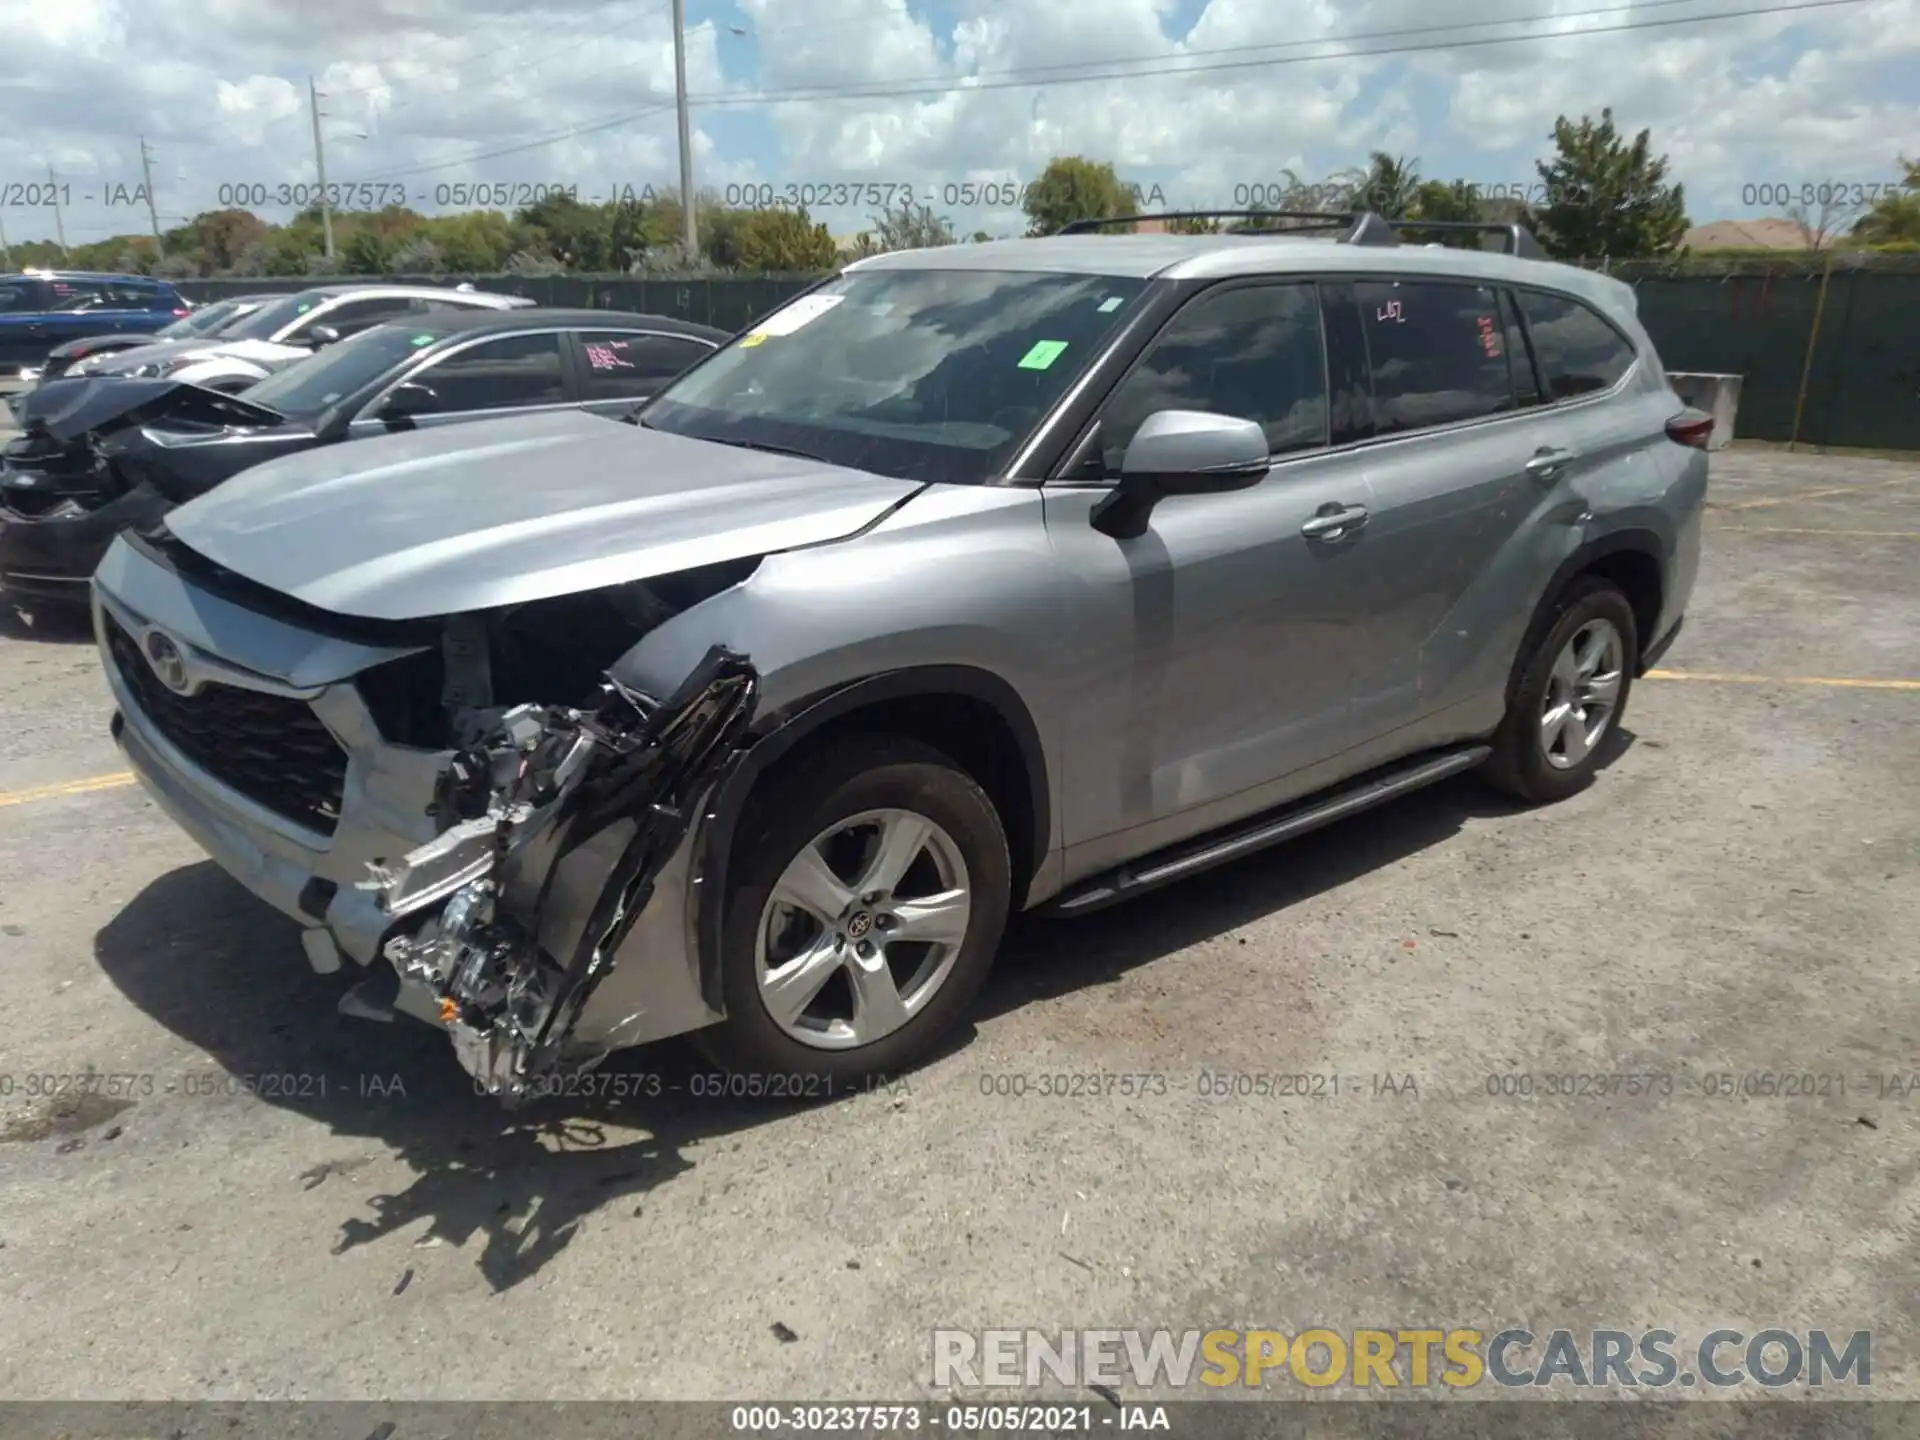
x: 1199, y: 102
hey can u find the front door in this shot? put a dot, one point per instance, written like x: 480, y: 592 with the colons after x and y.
x: 1214, y: 654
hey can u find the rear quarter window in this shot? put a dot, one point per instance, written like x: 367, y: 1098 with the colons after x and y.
x: 1578, y: 352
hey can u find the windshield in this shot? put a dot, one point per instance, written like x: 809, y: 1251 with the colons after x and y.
x: 203, y: 321
x: 917, y: 374
x: 274, y: 316
x: 309, y: 386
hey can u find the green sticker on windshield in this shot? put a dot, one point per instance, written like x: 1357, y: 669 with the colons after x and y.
x: 302, y: 309
x: 421, y: 340
x: 1043, y: 354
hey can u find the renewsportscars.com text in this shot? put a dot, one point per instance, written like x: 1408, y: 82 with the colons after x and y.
x: 1395, y: 1358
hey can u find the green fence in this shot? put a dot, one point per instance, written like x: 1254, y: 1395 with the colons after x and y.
x: 1863, y: 387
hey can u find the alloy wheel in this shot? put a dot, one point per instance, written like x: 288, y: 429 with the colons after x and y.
x: 862, y: 929
x: 1583, y: 694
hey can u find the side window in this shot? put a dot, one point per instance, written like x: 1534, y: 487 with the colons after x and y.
x: 1437, y: 351
x: 629, y: 366
x: 357, y: 315
x: 132, y: 297
x: 1526, y: 380
x: 1578, y: 352
x: 73, y: 296
x: 515, y: 370
x: 1347, y: 364
x: 19, y: 297
x: 1251, y: 351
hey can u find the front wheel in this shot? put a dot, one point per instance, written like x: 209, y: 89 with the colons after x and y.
x: 1570, y: 695
x: 866, y: 899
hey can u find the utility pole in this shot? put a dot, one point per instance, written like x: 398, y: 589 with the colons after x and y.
x: 153, y: 213
x: 6, y: 254
x: 59, y: 225
x: 320, y: 169
x: 690, y: 235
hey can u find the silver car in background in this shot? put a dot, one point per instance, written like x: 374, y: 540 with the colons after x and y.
x: 995, y: 577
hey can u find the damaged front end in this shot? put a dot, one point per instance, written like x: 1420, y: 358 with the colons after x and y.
x: 508, y: 951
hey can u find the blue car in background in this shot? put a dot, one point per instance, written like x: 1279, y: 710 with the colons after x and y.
x: 42, y: 309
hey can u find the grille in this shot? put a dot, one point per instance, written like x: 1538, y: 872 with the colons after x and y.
x: 269, y: 748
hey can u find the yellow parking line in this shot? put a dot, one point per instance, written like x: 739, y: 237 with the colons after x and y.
x: 1720, y: 678
x: 67, y: 787
x: 1818, y: 494
x: 1788, y: 530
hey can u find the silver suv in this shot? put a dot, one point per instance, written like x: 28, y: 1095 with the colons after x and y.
x: 1001, y: 576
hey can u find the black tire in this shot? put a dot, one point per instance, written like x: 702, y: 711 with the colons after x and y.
x: 1517, y: 766
x: 858, y: 773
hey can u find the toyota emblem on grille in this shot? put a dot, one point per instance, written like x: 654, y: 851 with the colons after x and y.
x: 167, y: 661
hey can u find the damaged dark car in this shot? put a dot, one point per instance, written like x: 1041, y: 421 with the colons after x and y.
x: 99, y: 456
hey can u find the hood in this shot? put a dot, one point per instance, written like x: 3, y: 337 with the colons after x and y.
x: 498, y: 512
x: 66, y: 408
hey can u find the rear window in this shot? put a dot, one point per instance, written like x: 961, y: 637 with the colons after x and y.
x: 1578, y: 352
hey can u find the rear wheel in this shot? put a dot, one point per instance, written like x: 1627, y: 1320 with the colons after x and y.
x: 867, y: 897
x: 1571, y: 693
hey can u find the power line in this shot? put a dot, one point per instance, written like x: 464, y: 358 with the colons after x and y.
x: 1062, y: 74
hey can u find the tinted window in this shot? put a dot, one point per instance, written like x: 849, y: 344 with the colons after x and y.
x: 310, y: 386
x: 1437, y: 351
x: 918, y: 374
x: 354, y: 316
x: 1253, y: 352
x: 499, y: 374
x: 629, y: 366
x: 75, y: 295
x: 132, y: 297
x: 18, y: 295
x: 1526, y: 381
x: 1578, y: 351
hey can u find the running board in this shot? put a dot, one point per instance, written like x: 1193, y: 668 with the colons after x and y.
x: 1130, y: 880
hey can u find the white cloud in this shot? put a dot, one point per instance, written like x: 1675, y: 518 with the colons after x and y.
x: 580, y: 91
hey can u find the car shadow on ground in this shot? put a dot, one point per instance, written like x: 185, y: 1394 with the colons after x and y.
x: 224, y: 972
x: 45, y: 624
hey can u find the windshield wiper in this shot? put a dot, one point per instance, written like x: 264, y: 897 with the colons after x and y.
x: 761, y: 445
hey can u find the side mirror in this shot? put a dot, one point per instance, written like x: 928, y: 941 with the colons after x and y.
x: 407, y: 399
x: 1181, y: 452
x: 320, y: 336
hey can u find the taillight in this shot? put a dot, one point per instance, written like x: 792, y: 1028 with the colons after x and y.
x: 1692, y: 428
x: 181, y: 314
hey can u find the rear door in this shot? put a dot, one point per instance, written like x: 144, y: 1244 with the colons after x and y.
x: 620, y: 368
x: 1446, y: 451
x: 23, y: 325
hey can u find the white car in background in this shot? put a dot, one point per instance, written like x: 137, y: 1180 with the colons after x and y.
x: 287, y: 330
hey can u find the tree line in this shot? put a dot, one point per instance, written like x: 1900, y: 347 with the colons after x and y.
x: 1601, y: 195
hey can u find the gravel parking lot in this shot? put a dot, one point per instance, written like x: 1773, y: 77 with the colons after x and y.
x: 1738, y: 895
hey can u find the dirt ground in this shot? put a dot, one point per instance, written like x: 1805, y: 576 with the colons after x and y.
x: 1738, y: 895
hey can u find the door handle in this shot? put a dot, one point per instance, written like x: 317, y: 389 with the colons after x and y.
x: 1334, y: 521
x: 1547, y: 462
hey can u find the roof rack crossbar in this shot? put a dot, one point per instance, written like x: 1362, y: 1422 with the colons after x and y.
x: 1319, y: 219
x: 1518, y: 240
x: 1361, y: 227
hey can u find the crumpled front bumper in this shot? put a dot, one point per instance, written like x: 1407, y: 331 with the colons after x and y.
x: 653, y: 990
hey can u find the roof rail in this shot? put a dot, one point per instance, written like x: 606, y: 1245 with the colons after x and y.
x: 1361, y: 227
x: 1323, y: 219
x: 1517, y: 239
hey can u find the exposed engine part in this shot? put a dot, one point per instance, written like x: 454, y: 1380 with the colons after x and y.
x: 544, y: 781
